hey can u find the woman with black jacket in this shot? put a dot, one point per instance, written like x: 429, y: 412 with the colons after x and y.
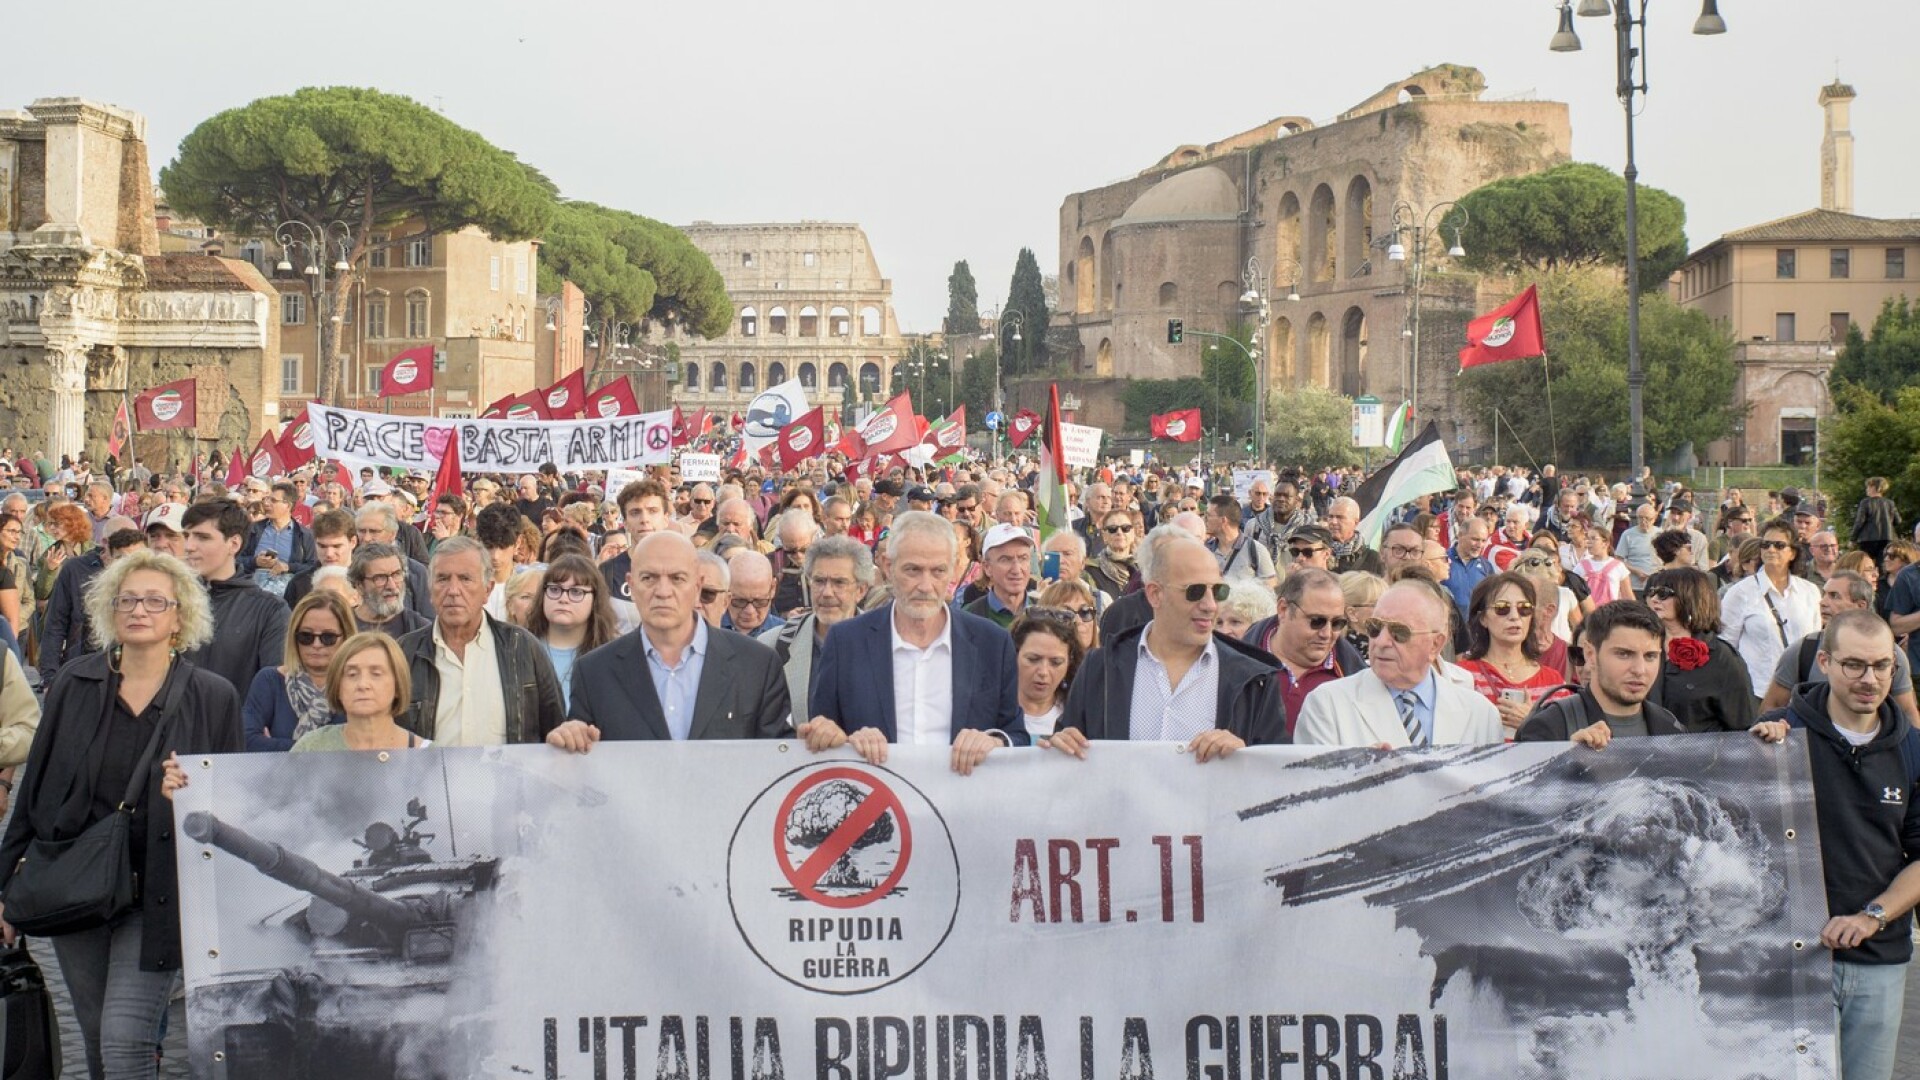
x: 145, y: 609
x: 1703, y: 680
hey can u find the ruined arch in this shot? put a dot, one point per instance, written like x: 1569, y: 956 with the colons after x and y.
x: 1083, y: 277
x: 749, y: 378
x: 1169, y: 294
x: 1317, y: 349
x: 809, y: 377
x: 1103, y: 359
x: 776, y: 373
x: 1356, y: 227
x: 1322, y: 236
x: 1106, y: 272
x: 870, y: 378
x: 1353, y: 352
x: 1280, y: 361
x: 837, y: 377
x: 1286, y: 232
x: 717, y: 377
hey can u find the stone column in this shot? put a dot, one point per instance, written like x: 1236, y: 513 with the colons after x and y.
x: 66, y: 418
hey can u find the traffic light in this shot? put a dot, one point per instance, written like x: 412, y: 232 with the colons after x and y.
x: 1176, y: 331
x: 1249, y: 446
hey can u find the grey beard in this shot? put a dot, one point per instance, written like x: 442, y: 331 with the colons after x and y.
x: 380, y: 610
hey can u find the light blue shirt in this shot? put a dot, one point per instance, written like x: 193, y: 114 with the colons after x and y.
x: 1423, y: 699
x: 563, y: 669
x: 678, y: 687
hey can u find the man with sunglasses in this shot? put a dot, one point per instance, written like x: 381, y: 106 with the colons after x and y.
x: 1308, y: 635
x: 1400, y: 700
x: 1310, y: 548
x: 1174, y: 679
x: 1865, y: 762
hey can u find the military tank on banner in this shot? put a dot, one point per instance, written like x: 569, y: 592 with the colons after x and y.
x: 383, y: 943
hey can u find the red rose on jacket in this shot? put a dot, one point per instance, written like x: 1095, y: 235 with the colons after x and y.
x: 1687, y: 653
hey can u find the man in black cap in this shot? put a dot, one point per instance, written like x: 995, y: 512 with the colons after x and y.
x: 921, y: 497
x: 886, y: 495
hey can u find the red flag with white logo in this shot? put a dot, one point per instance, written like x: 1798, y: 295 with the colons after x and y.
x: 803, y: 439
x: 265, y: 462
x: 680, y: 435
x: 411, y: 372
x: 565, y: 398
x: 167, y: 406
x: 1025, y: 423
x: 892, y: 428
x: 531, y: 405
x: 1508, y: 332
x: 1181, y: 426
x: 122, y: 429
x: 614, y: 399
x: 296, y: 443
x: 497, y: 410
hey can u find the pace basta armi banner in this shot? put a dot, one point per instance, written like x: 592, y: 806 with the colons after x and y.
x: 751, y: 911
x: 416, y: 442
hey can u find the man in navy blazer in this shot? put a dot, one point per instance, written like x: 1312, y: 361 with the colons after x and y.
x: 916, y: 671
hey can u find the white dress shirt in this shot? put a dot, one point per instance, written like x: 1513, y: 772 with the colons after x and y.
x: 471, y: 711
x: 1760, y: 622
x: 923, y: 687
x: 1163, y: 712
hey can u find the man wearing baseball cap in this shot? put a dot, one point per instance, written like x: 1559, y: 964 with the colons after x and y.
x: 921, y: 497
x: 164, y: 528
x: 1008, y: 555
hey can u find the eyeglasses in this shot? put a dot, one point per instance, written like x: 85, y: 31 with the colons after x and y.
x: 1400, y: 552
x: 1857, y: 669
x: 1661, y: 592
x: 324, y: 638
x: 572, y: 593
x: 394, y: 578
x: 1117, y: 530
x: 1401, y: 632
x: 1506, y: 607
x: 1198, y: 591
x: 127, y: 605
x: 1776, y: 545
x: 708, y: 596
x: 1317, y: 623
x: 748, y: 602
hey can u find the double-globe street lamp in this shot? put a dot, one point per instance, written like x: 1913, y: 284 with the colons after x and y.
x: 333, y: 238
x: 1258, y: 298
x: 1000, y: 322
x: 1409, y: 224
x: 1629, y: 83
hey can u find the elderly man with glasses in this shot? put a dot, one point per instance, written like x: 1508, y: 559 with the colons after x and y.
x: 750, y: 607
x: 1401, y: 700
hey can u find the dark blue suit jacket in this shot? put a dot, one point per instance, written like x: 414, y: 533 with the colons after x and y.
x: 853, y: 677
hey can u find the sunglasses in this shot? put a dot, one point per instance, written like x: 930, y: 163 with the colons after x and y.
x: 1400, y: 632
x: 1063, y: 615
x: 1661, y: 592
x: 325, y: 638
x: 1507, y: 607
x: 1117, y: 530
x: 1303, y: 552
x: 703, y: 502
x: 708, y: 596
x: 1321, y: 622
x: 1776, y: 545
x: 1198, y: 592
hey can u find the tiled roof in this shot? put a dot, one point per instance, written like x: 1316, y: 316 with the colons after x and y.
x: 180, y: 272
x: 1824, y: 225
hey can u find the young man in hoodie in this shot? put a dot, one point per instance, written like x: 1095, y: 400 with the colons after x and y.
x: 1865, y: 761
x: 249, y: 625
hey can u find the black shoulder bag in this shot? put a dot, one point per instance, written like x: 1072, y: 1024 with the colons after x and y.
x: 66, y: 886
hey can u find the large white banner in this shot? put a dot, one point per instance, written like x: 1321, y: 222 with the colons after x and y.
x: 751, y: 911
x: 416, y: 442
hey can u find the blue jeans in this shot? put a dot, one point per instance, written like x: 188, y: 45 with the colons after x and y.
x: 117, y: 1005
x: 1870, y: 998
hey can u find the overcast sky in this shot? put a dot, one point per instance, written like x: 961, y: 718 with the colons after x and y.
x: 954, y: 131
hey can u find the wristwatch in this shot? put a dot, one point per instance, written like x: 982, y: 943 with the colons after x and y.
x: 1878, y: 914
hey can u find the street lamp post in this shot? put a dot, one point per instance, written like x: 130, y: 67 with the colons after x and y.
x: 1411, y: 224
x: 1259, y: 297
x: 316, y: 245
x: 1628, y: 84
x: 999, y: 322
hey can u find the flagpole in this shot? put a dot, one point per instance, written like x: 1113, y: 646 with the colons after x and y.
x: 1553, y: 432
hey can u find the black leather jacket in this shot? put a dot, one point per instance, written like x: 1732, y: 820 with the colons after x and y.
x: 528, y: 687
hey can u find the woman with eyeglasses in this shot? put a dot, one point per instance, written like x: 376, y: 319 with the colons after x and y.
x: 1114, y: 570
x: 1763, y: 614
x: 1047, y: 651
x: 1503, y: 655
x: 573, y: 615
x: 1074, y: 599
x: 1703, y: 681
x: 105, y: 712
x: 288, y: 701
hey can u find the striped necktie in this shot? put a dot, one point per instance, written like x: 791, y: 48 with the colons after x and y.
x: 1405, y: 700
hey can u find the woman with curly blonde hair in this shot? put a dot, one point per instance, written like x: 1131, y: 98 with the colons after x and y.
x: 110, y: 717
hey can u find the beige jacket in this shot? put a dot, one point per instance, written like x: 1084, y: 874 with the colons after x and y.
x: 19, y: 712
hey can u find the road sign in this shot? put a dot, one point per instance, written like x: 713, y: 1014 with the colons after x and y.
x: 995, y: 419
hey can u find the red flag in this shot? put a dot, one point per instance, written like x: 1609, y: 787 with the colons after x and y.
x: 531, y: 405
x: 680, y: 435
x: 171, y: 405
x: 497, y: 410
x: 614, y: 399
x: 1181, y: 426
x: 565, y: 398
x: 296, y: 443
x: 193, y: 469
x: 738, y: 421
x: 765, y: 455
x: 804, y: 438
x: 446, y: 479
x: 1025, y: 422
x: 236, y: 469
x: 702, y: 423
x: 892, y: 428
x: 265, y: 461
x: 122, y: 429
x: 408, y: 373
x: 1508, y: 332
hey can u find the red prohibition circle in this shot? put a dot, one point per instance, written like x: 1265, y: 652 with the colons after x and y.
x: 805, y: 878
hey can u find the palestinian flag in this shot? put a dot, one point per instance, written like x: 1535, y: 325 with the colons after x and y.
x: 1051, y: 487
x: 1397, y: 427
x: 1423, y: 468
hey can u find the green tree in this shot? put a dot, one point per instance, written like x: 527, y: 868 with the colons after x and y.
x: 1026, y: 295
x: 1311, y: 427
x: 923, y: 371
x: 1570, y: 216
x: 1687, y: 358
x: 1889, y: 360
x: 963, y: 304
x: 372, y: 160
x: 1870, y: 436
x: 976, y: 386
x: 634, y: 269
